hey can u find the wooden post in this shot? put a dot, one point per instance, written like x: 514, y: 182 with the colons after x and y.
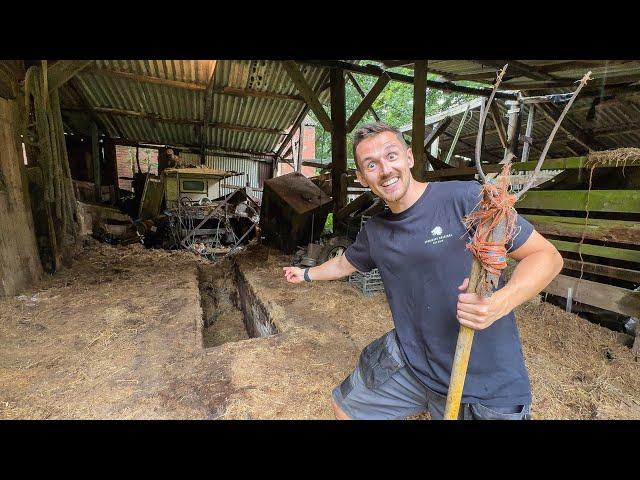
x: 483, y: 149
x: 435, y: 151
x: 528, y: 140
x: 513, y: 133
x: 95, y: 156
x: 300, y: 140
x: 338, y: 138
x: 419, y: 169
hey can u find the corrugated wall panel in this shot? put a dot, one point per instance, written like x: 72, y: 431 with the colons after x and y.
x: 251, y: 169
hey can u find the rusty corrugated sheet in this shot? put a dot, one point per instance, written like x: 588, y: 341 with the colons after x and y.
x: 106, y: 91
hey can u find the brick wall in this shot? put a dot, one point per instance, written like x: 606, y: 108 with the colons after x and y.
x: 308, y: 152
x: 126, y: 158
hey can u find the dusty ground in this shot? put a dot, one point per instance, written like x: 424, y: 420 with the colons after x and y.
x: 119, y: 335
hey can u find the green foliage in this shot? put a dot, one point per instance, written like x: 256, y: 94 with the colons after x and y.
x: 394, y: 106
x: 328, y: 226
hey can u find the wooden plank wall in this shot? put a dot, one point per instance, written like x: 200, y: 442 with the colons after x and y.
x: 608, y: 243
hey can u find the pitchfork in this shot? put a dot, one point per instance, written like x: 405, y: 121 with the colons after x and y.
x: 487, y: 265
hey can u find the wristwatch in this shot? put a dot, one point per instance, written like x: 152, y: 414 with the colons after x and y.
x: 306, y: 275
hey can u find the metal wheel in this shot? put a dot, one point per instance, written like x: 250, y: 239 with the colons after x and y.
x: 335, y: 248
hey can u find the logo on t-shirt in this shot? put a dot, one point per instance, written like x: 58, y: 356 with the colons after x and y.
x: 437, y: 236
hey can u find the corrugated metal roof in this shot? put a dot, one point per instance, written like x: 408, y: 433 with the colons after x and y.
x: 614, y: 122
x: 608, y: 126
x: 103, y: 90
x: 600, y: 68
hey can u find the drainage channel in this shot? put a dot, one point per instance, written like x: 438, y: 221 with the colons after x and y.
x: 231, y: 312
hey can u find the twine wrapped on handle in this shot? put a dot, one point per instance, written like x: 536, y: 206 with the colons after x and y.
x: 496, y: 205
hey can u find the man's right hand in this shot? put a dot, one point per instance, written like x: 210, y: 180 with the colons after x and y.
x: 293, y: 274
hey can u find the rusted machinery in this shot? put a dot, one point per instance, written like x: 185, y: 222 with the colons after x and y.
x: 293, y: 211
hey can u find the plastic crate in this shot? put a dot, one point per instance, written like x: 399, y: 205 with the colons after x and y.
x: 368, y: 283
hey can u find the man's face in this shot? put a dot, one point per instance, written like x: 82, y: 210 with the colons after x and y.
x: 384, y: 166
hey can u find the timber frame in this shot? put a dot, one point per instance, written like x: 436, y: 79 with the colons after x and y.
x: 224, y: 107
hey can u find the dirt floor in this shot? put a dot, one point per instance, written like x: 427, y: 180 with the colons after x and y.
x: 122, y: 334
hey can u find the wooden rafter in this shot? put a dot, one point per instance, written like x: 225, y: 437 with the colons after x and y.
x: 195, y: 148
x: 398, y: 63
x: 366, y: 102
x: 570, y: 65
x: 472, y: 147
x: 306, y: 91
x: 518, y: 68
x: 438, y: 129
x: 458, y: 77
x: 361, y: 93
x: 452, y: 112
x: 552, y: 112
x: 497, y: 121
x: 76, y: 88
x: 208, y: 106
x: 292, y: 132
x: 178, y: 121
x: 149, y: 79
x: 198, y: 87
x: 243, y: 92
x: 298, y: 121
x: 63, y: 70
x: 376, y: 71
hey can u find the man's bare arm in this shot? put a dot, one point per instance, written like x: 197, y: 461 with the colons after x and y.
x: 539, y: 263
x: 333, y: 269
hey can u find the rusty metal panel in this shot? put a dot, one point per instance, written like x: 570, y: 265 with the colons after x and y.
x: 293, y: 211
x: 151, y: 197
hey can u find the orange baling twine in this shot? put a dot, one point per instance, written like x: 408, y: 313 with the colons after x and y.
x: 495, y: 206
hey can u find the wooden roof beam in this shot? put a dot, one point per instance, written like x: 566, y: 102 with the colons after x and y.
x: 366, y: 102
x: 519, y: 68
x: 398, y: 63
x: 179, y: 121
x: 63, y: 70
x: 215, y: 149
x: 76, y: 88
x: 208, y: 106
x: 497, y: 121
x: 198, y: 87
x: 299, y: 120
x: 552, y: 112
x: 438, y: 129
x: 306, y: 91
x: 472, y: 147
x: 239, y: 92
x: 376, y: 71
x: 574, y: 64
x: 361, y: 93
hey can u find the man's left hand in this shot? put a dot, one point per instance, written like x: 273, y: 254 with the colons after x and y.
x: 478, y: 313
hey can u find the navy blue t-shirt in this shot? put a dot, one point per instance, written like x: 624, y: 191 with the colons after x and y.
x: 422, y: 259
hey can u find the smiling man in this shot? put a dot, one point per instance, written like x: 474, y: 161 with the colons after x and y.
x: 419, y: 248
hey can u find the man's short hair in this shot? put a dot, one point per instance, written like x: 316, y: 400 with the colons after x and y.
x: 371, y: 130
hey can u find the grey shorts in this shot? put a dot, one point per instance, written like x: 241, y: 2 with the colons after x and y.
x: 383, y: 388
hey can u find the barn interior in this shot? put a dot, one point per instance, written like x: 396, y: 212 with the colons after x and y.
x: 148, y: 207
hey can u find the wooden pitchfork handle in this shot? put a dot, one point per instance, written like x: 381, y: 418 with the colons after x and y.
x: 463, y: 351
x: 465, y: 335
